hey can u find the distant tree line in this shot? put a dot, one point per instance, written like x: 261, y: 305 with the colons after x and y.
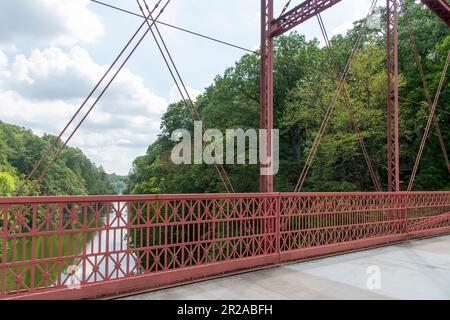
x: 72, y: 173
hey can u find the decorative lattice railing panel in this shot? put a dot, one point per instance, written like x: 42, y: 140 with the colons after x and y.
x: 93, y: 246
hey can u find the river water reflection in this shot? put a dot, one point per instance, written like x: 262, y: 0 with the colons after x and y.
x: 107, y: 254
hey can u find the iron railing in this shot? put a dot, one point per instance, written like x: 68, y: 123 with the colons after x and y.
x: 87, y: 247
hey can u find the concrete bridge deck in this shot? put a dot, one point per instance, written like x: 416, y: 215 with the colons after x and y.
x: 413, y: 270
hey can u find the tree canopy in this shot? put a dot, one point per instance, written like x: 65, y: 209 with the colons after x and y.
x: 304, y: 83
x: 71, y: 174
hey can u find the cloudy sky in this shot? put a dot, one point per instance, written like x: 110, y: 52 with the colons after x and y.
x: 52, y: 52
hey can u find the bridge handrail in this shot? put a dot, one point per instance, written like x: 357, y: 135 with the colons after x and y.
x: 170, y: 239
x: 203, y: 196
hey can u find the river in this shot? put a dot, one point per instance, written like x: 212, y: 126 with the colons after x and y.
x: 97, y: 246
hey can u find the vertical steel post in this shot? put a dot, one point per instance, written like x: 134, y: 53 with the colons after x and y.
x: 3, y: 244
x: 266, y: 92
x: 392, y: 96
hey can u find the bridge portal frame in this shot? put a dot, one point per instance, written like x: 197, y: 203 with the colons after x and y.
x: 271, y: 28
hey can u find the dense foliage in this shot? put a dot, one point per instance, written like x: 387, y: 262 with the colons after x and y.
x: 119, y: 183
x: 304, y: 86
x: 72, y: 174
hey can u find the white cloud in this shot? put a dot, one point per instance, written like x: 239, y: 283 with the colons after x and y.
x: 358, y: 9
x: 50, y: 21
x: 3, y: 66
x: 175, y: 96
x: 3, y: 60
x: 44, y: 90
x: 46, y: 114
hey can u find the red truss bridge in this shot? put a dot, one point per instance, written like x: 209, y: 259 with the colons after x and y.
x: 111, y: 245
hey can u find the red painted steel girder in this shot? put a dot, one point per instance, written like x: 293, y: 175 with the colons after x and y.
x: 266, y: 87
x: 392, y: 96
x: 200, y: 236
x: 441, y: 8
x: 304, y: 11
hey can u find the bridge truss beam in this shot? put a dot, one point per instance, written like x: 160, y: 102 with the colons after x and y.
x: 392, y: 95
x: 301, y: 13
x: 271, y: 28
x: 266, y: 90
x: 441, y: 8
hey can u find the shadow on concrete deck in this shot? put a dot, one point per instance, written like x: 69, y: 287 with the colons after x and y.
x: 413, y: 270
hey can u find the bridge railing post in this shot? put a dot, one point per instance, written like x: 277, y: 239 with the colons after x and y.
x: 406, y: 205
x: 4, y: 247
x: 278, y: 224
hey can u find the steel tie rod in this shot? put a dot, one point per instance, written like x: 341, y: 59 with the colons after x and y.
x: 96, y: 101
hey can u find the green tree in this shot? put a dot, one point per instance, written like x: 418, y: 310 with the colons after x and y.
x: 305, y: 82
x: 71, y: 174
x: 7, y: 184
